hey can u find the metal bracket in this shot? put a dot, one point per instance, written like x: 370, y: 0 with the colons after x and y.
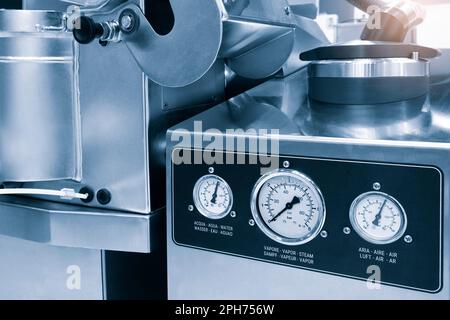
x: 80, y: 227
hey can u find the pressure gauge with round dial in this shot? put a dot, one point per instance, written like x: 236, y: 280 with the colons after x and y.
x: 378, y: 217
x: 213, y: 197
x: 288, y: 207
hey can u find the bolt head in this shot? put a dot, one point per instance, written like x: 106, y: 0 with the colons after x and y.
x: 190, y: 207
x: 408, y: 239
x: 233, y: 214
x: 286, y: 164
x: 251, y: 222
x: 376, y: 186
x: 126, y: 21
x: 347, y: 230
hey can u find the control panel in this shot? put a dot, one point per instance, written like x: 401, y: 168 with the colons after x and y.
x: 345, y: 218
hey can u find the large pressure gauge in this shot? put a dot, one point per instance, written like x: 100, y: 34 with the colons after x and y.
x: 213, y: 197
x: 378, y: 218
x: 288, y: 207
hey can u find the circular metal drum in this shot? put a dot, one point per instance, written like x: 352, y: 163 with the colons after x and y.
x: 362, y: 72
x: 38, y: 97
x: 368, y: 81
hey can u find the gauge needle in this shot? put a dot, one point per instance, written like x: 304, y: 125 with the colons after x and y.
x: 378, y: 216
x: 288, y: 206
x: 214, y: 196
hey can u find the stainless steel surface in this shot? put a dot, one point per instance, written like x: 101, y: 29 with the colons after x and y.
x: 73, y: 226
x: 37, y: 271
x: 123, y: 115
x: 33, y: 21
x: 122, y: 121
x: 39, y: 106
x: 369, y: 68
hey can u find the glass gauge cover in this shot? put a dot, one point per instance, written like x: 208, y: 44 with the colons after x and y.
x: 378, y: 217
x: 213, y: 197
x: 288, y: 207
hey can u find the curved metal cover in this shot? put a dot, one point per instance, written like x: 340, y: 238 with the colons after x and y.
x: 185, y: 54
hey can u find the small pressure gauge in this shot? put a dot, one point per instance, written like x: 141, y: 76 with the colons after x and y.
x: 213, y: 197
x: 378, y: 217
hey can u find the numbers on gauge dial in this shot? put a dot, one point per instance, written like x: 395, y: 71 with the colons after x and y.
x: 378, y: 217
x: 291, y: 207
x: 213, y: 196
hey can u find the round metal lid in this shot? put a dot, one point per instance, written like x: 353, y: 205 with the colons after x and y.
x: 369, y: 68
x: 369, y: 50
x: 25, y: 21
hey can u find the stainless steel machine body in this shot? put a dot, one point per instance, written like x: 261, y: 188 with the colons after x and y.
x: 347, y: 150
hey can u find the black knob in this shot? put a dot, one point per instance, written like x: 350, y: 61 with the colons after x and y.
x: 86, y: 30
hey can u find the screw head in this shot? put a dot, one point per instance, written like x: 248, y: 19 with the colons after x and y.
x: 190, y: 207
x: 286, y: 164
x: 347, y: 230
x: 323, y: 234
x: 211, y: 170
x: 251, y: 222
x: 233, y: 214
x: 376, y: 186
x: 408, y: 239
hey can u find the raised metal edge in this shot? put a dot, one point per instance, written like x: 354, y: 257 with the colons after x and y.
x: 263, y: 226
x: 200, y: 207
x: 79, y: 227
x: 362, y: 233
x: 369, y: 68
x: 363, y: 49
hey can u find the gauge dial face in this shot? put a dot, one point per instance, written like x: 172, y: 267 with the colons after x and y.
x: 378, y: 218
x: 213, y: 197
x: 288, y: 207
